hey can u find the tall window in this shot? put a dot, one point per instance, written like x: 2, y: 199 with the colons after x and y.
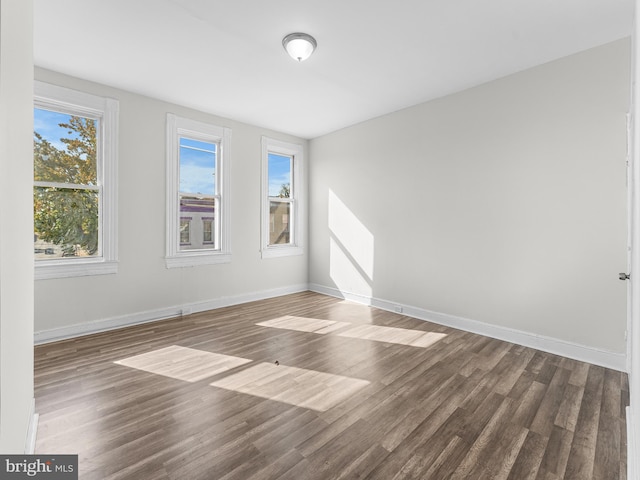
x: 74, y: 182
x: 281, y: 201
x: 282, y: 205
x: 197, y: 182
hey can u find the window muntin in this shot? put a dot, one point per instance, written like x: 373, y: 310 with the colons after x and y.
x: 197, y: 188
x: 75, y: 170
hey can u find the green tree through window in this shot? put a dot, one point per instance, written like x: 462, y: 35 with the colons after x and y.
x: 66, y: 190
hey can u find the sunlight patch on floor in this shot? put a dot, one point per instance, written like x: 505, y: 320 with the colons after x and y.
x: 296, y: 386
x: 377, y: 333
x: 301, y: 324
x: 183, y: 363
x: 401, y: 336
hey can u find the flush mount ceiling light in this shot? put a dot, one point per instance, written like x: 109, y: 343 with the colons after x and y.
x: 299, y: 45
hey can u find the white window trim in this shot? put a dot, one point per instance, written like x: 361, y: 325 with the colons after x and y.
x: 297, y: 219
x: 176, y: 127
x: 65, y: 100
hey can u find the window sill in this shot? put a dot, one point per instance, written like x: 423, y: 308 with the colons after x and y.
x: 195, y: 259
x: 284, y: 251
x: 49, y: 269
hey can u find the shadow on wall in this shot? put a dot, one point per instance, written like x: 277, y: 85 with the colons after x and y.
x: 351, y: 250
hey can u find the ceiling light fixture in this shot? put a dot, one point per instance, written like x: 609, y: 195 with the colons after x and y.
x: 299, y: 45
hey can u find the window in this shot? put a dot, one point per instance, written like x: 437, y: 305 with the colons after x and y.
x: 75, y: 170
x: 197, y: 196
x: 282, y: 205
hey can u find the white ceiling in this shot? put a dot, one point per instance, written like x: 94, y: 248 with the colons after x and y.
x: 373, y: 57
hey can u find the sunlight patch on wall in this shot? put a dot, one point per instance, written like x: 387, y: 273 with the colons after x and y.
x: 377, y: 333
x: 183, y: 363
x: 351, y: 250
x: 296, y: 386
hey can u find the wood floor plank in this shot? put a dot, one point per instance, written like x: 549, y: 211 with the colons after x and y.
x: 583, y: 449
x: 557, y: 452
x: 202, y: 397
x: 607, y: 456
x: 529, y: 458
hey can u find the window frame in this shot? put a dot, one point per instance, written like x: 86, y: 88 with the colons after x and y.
x: 297, y: 222
x: 178, y: 127
x: 106, y: 111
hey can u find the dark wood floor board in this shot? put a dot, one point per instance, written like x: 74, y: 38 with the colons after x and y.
x: 538, y: 361
x: 607, y: 456
x: 330, y: 460
x: 612, y: 394
x: 475, y: 462
x: 448, y: 460
x: 290, y: 436
x: 579, y: 374
x: 504, y: 452
x: 557, y: 452
x: 277, y: 466
x: 412, y: 436
x: 569, y: 409
x: 529, y: 458
x: 439, y: 446
x: 477, y: 420
x: 420, y: 425
x: 182, y: 404
x: 522, y: 385
x: 545, y: 417
x: 509, y: 369
x: 529, y: 404
x: 583, y: 448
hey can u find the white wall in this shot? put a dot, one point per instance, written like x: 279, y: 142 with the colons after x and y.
x: 143, y: 288
x: 16, y: 223
x: 504, y: 204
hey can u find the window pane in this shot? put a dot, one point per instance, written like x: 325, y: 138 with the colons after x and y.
x: 207, y: 231
x: 197, y: 167
x: 279, y: 223
x: 279, y: 175
x: 199, y: 210
x: 65, y: 223
x: 185, y: 231
x: 64, y: 148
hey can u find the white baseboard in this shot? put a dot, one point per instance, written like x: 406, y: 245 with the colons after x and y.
x: 613, y: 360
x: 78, y: 330
x: 32, y: 431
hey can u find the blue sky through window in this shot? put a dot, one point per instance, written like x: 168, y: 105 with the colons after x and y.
x: 279, y: 173
x: 197, y: 166
x: 47, y: 124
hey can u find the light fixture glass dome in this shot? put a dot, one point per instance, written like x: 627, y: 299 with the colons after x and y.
x: 299, y: 46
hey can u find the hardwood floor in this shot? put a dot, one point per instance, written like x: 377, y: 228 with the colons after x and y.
x: 309, y: 387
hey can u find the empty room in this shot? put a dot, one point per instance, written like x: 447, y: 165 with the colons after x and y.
x: 319, y: 240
